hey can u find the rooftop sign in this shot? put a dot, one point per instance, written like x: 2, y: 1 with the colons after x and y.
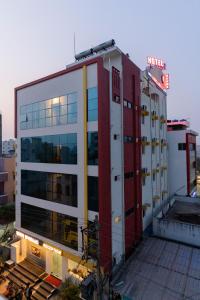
x: 159, y: 63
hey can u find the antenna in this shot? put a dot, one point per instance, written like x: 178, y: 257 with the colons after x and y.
x: 74, y: 44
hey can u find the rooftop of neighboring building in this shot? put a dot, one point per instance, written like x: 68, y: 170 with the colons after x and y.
x: 183, y: 124
x: 185, y: 210
x: 177, y: 124
x: 160, y: 269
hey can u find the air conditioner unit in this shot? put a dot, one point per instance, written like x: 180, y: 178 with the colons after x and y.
x: 144, y: 139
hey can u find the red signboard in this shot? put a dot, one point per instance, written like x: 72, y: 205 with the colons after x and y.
x: 164, y: 85
x: 165, y: 81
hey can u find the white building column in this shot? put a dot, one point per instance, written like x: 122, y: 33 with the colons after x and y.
x: 64, y: 268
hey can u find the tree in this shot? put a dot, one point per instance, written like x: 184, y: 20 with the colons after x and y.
x: 69, y: 291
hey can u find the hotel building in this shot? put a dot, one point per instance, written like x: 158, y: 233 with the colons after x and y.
x: 79, y: 148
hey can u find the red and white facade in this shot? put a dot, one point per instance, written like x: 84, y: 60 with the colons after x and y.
x: 182, y: 157
x: 119, y: 155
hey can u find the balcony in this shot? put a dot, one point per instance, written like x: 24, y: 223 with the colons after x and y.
x: 3, y: 176
x: 3, y: 199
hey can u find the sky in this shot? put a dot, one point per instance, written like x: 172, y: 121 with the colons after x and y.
x: 36, y: 39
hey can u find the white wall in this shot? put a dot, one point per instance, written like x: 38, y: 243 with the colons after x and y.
x: 159, y: 159
x: 117, y: 166
x: 177, y: 163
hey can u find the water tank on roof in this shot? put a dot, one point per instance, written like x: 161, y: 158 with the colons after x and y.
x: 104, y: 46
x: 84, y: 54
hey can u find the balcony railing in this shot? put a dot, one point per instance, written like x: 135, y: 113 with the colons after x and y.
x: 3, y: 199
x: 3, y: 176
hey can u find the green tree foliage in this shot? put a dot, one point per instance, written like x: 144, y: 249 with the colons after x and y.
x: 7, y: 213
x: 69, y: 291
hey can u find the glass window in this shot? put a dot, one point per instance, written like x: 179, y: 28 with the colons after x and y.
x: 182, y: 146
x: 63, y: 109
x: 55, y: 187
x: 93, y: 202
x: 71, y: 118
x: 52, y: 225
x: 92, y: 148
x: 50, y: 149
x: 35, y: 106
x: 92, y: 104
x: 51, y: 112
x: 92, y: 93
x: 63, y: 100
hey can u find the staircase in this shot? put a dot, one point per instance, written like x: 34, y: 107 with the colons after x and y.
x: 43, y: 291
x: 27, y: 272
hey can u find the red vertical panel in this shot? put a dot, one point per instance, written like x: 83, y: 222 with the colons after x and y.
x: 104, y: 168
x: 132, y: 155
x: 188, y: 163
x: 190, y: 139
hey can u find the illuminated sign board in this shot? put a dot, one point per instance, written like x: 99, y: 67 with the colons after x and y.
x: 164, y: 85
x: 165, y: 81
x: 159, y: 63
x: 27, y: 237
x: 52, y: 249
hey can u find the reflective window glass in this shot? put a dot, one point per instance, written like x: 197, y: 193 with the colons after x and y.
x: 42, y: 222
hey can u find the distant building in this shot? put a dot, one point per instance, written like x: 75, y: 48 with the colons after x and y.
x: 198, y: 151
x: 0, y: 134
x: 181, y: 158
x: 8, y: 147
x: 7, y: 180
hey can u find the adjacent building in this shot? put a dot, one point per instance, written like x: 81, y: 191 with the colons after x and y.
x: 79, y: 156
x: 0, y: 134
x: 153, y: 142
x: 182, y: 157
x: 8, y: 147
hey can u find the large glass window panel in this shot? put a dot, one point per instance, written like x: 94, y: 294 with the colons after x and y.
x: 63, y: 100
x: 55, y: 120
x: 42, y: 114
x: 92, y: 148
x: 23, y: 125
x: 26, y: 152
x: 92, y: 104
x: 23, y: 118
x: 55, y: 101
x: 54, y: 187
x: 42, y: 123
x: 48, y: 122
x: 93, y: 202
x: 42, y: 105
x: 92, y: 115
x: 72, y: 118
x: 55, y: 111
x: 35, y: 106
x: 92, y: 93
x: 29, y: 116
x: 48, y: 103
x: 72, y: 98
x: 63, y: 110
x: 63, y: 120
x: 72, y: 108
x: 51, y: 149
x: 58, y: 227
x: 50, y: 112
